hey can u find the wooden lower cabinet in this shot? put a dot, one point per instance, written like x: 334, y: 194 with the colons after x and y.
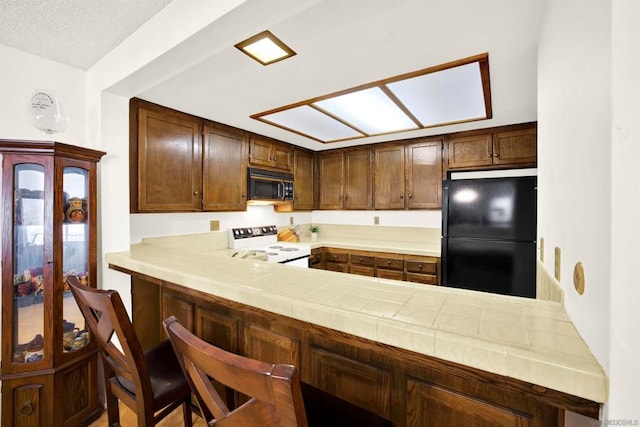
x: 69, y: 397
x: 362, y: 265
x: 430, y: 405
x: 409, y: 388
x: 316, y: 259
x: 336, y: 260
x: 26, y: 401
x: 267, y: 346
x: 411, y: 268
x: 423, y: 270
x: 363, y: 384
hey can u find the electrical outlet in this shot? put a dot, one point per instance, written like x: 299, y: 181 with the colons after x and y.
x: 214, y: 225
x: 291, y: 220
x: 376, y: 220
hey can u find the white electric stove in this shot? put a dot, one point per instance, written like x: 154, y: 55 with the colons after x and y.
x: 263, y: 242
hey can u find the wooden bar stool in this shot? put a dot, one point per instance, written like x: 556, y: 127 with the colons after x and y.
x: 151, y: 383
x: 277, y: 397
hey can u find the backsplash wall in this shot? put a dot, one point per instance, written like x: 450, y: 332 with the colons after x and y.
x: 168, y: 224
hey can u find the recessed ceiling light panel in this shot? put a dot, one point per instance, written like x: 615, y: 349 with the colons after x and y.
x: 369, y: 110
x: 308, y: 121
x: 447, y: 96
x: 265, y: 48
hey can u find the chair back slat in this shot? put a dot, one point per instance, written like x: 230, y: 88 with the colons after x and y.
x: 274, y: 389
x: 107, y: 319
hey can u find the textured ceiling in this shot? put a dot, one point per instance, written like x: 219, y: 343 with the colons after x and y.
x: 74, y: 32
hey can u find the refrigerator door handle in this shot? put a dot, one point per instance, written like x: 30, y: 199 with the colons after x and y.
x: 445, y: 209
x: 444, y: 276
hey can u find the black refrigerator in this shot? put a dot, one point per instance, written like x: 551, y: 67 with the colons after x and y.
x: 489, y: 235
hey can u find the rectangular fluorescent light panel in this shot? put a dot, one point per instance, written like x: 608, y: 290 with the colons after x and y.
x: 447, y: 96
x: 310, y: 122
x: 265, y: 48
x: 369, y: 110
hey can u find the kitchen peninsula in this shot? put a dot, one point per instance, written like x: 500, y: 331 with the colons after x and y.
x: 425, y: 355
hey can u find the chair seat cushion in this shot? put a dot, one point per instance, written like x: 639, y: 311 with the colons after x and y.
x: 167, y: 380
x: 324, y: 409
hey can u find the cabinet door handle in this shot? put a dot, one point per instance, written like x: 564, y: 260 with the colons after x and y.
x: 389, y: 262
x: 195, y: 192
x: 496, y: 155
x: 410, y: 195
x: 26, y: 409
x: 402, y: 196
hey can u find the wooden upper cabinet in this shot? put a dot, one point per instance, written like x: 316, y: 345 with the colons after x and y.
x: 270, y: 153
x: 169, y: 161
x: 424, y: 175
x: 389, y: 178
x: 515, y: 147
x: 303, y: 172
x: 471, y: 151
x: 224, y: 170
x: 331, y: 178
x: 508, y: 146
x: 183, y: 163
x: 357, y: 179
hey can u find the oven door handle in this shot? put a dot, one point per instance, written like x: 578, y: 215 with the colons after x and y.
x: 281, y: 193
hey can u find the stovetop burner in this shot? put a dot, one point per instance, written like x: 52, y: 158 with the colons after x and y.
x: 264, y: 240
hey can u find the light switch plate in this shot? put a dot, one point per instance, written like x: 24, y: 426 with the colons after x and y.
x: 214, y: 225
x: 376, y: 220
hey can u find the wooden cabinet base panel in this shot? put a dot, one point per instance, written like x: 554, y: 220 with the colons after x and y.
x: 409, y: 388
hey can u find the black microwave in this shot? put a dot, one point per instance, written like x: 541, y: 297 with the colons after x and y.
x: 269, y: 186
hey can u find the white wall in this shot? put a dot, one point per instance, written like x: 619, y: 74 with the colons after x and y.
x: 574, y: 170
x: 421, y: 218
x: 20, y: 75
x: 624, y: 369
x: 588, y: 134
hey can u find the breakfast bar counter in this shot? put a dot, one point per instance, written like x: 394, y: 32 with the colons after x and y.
x: 516, y: 356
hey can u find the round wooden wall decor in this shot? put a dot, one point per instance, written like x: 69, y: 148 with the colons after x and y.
x: 578, y: 278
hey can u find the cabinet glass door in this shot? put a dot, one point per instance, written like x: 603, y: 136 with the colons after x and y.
x: 75, y: 253
x: 28, y: 263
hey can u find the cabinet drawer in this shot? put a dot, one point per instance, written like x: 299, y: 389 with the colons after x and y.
x: 428, y: 279
x: 315, y: 260
x: 335, y: 266
x: 390, y: 263
x: 390, y: 274
x: 336, y: 257
x: 361, y: 260
x: 421, y: 266
x: 361, y: 270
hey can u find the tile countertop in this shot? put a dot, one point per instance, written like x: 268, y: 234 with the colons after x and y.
x: 530, y: 340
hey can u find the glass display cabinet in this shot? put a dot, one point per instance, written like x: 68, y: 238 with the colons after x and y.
x: 49, y: 364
